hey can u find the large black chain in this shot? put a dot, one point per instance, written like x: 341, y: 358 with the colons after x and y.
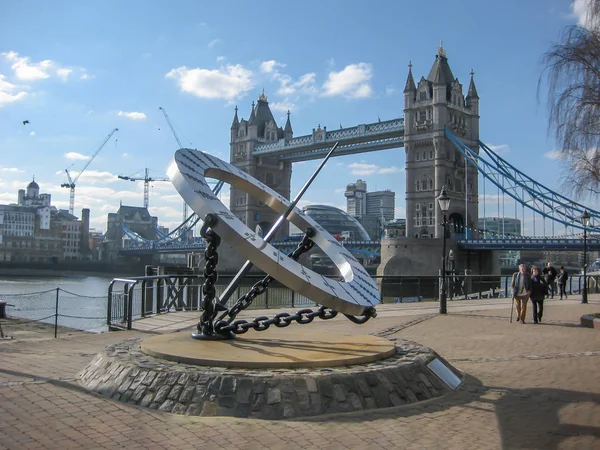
x: 205, y: 326
x: 208, y: 326
x: 280, y: 320
x: 260, y: 287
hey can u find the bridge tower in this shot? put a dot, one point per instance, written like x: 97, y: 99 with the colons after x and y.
x: 431, y: 105
x: 261, y: 127
x: 432, y: 162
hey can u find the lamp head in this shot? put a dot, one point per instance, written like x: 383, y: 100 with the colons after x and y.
x: 444, y: 200
x: 585, y: 218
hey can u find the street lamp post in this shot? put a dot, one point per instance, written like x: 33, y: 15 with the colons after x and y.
x: 444, y: 202
x: 585, y: 221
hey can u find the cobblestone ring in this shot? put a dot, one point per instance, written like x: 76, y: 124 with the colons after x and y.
x: 354, y: 295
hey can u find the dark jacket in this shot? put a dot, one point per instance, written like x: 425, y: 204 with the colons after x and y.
x: 539, y: 287
x: 562, y: 277
x: 526, y: 282
x: 550, y: 273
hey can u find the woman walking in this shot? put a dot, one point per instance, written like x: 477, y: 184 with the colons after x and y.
x: 539, y: 289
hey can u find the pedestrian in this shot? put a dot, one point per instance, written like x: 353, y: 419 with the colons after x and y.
x: 539, y: 289
x: 521, y: 286
x: 562, y: 278
x: 550, y: 274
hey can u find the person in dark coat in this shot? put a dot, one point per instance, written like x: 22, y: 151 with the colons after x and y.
x: 539, y: 287
x: 550, y: 274
x: 562, y: 278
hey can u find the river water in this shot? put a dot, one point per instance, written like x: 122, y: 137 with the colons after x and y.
x: 80, y: 300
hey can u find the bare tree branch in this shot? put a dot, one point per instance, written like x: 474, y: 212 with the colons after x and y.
x: 572, y: 72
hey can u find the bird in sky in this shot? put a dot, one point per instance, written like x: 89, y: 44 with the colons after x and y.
x: 25, y: 122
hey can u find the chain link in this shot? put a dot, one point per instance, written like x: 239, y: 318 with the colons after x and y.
x: 205, y: 326
x: 280, y: 320
x: 209, y: 326
x: 260, y: 287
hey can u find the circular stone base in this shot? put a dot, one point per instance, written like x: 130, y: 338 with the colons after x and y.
x: 287, y: 348
x: 125, y: 373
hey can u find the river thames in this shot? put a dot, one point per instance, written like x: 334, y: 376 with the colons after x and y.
x: 81, y: 299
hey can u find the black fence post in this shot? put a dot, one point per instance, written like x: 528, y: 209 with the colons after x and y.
x: 56, y: 315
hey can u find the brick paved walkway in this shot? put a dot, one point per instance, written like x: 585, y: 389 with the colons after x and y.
x: 528, y: 387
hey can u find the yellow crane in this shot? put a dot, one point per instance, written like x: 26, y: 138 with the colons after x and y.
x: 147, y: 179
x: 72, y: 181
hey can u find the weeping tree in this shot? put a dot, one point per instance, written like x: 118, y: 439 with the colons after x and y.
x: 572, y: 72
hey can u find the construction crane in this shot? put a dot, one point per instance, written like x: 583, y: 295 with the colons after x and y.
x: 185, y: 206
x: 147, y: 179
x: 73, y: 181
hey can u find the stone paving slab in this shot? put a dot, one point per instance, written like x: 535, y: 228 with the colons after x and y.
x: 509, y: 401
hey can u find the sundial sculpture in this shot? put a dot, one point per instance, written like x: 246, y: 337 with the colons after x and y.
x: 355, y: 296
x: 248, y: 380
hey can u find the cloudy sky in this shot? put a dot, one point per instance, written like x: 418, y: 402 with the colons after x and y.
x: 77, y: 70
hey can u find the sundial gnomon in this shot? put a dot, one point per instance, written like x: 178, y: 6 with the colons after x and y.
x: 355, y: 295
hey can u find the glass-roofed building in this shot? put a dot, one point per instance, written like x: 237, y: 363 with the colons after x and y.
x: 337, y: 222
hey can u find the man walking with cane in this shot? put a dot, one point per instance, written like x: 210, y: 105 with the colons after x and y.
x: 521, y: 286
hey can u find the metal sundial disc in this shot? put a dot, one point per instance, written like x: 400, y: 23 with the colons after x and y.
x: 354, y: 295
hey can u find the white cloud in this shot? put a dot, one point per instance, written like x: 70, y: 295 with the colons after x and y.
x: 86, y: 76
x: 339, y: 191
x: 7, y: 92
x: 553, y: 155
x: 363, y: 169
x: 502, y: 148
x: 214, y: 42
x: 7, y: 198
x: 283, y: 106
x: 579, y: 9
x: 11, y: 170
x: 96, y: 176
x: 220, y: 58
x: 74, y: 156
x: 269, y: 66
x: 26, y: 70
x: 227, y: 82
x: 64, y: 73
x: 352, y: 81
x: 133, y: 115
x: 388, y: 170
x: 304, y: 85
x: 371, y: 169
x: 32, y: 133
x: 125, y: 155
x: 390, y: 90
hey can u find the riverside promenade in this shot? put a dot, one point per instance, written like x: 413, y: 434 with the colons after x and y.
x: 527, y: 387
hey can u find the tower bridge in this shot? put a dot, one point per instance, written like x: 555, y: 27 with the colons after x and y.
x: 440, y: 136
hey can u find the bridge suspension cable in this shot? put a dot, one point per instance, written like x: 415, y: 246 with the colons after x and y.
x: 534, y: 195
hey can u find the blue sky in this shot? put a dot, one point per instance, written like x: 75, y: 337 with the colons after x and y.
x: 76, y: 70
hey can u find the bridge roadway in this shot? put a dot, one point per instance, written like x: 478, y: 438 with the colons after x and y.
x: 528, y: 244
x: 375, y: 246
x: 359, y: 139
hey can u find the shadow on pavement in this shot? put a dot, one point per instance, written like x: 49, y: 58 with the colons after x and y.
x: 539, y: 418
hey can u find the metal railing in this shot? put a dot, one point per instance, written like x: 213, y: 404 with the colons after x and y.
x: 56, y: 307
x: 138, y: 297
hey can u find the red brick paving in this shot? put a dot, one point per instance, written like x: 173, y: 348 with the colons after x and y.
x: 527, y: 387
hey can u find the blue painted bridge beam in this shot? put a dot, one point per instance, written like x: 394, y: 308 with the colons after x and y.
x: 359, y: 139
